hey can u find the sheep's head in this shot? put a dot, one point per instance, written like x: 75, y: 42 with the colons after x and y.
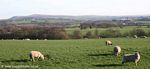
x: 137, y: 53
x: 42, y: 57
x: 46, y: 56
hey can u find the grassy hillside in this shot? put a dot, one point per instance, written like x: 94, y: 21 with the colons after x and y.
x: 74, y: 54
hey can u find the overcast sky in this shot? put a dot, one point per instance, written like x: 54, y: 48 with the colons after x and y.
x: 9, y: 8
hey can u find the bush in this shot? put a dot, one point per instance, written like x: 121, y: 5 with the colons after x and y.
x: 76, y: 34
x: 148, y: 33
x: 138, y: 32
x: 106, y: 25
x: 109, y: 33
x: 96, y: 33
x: 89, y: 34
x: 57, y: 33
x: 126, y: 34
x: 148, y: 26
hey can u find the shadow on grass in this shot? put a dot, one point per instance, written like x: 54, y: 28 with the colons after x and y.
x: 108, y: 65
x: 100, y: 54
x: 21, y: 60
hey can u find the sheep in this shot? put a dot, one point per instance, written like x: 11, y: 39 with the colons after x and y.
x: 27, y: 39
x: 131, y: 58
x: 117, y: 50
x: 143, y: 36
x: 108, y: 42
x: 135, y: 36
x: 36, y: 54
x: 45, y: 39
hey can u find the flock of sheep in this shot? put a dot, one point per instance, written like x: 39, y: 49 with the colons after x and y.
x: 117, y: 50
x: 126, y: 57
x: 135, y: 36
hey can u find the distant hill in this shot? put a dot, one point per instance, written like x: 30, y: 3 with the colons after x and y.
x: 65, y: 17
x: 46, y: 17
x: 73, y: 21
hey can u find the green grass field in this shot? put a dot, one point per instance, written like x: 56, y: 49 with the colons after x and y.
x: 74, y: 54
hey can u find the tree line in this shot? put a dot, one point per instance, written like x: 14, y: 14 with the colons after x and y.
x: 32, y: 32
x: 46, y: 32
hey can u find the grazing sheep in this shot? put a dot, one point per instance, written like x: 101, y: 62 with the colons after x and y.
x: 143, y: 36
x: 135, y: 36
x: 45, y: 39
x: 108, y: 42
x: 117, y: 50
x: 36, y: 54
x: 131, y: 58
x: 27, y: 39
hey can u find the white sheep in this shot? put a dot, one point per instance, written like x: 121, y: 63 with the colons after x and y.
x: 145, y: 36
x: 135, y: 36
x: 108, y: 42
x: 131, y: 58
x: 45, y: 39
x: 36, y: 54
x: 27, y: 39
x: 117, y: 50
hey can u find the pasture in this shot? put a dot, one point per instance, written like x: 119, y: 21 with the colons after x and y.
x: 74, y: 54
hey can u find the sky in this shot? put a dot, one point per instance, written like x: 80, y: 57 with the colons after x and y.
x: 9, y: 8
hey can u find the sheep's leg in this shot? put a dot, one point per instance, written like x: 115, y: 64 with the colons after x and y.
x: 117, y: 54
x: 38, y: 58
x: 122, y: 62
x: 30, y: 59
x: 114, y: 53
x: 33, y: 59
x: 106, y: 43
x: 136, y: 63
